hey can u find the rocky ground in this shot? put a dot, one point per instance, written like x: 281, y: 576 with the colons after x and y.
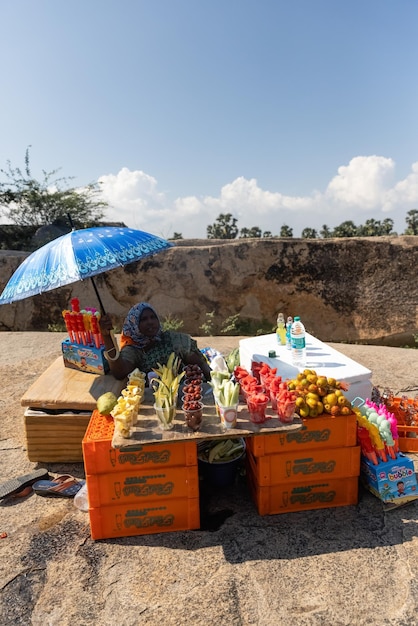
x: 349, y: 565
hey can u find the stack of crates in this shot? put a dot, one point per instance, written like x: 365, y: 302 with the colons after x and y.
x: 316, y: 467
x: 149, y: 489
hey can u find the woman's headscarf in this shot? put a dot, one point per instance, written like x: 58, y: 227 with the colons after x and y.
x: 131, y: 334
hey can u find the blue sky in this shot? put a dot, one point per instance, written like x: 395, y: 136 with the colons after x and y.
x: 297, y: 112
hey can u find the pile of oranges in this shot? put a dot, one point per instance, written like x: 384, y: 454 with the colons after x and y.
x: 319, y: 394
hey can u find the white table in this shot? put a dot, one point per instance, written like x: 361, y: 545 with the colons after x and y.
x: 319, y: 357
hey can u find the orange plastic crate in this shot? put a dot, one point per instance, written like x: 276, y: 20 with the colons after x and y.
x: 101, y: 458
x: 141, y: 486
x: 317, y: 432
x: 408, y: 435
x: 156, y: 516
x: 305, y: 465
x: 314, y: 494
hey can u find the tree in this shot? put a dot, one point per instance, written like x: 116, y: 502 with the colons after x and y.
x: 175, y: 237
x: 346, y: 229
x: 255, y: 232
x: 28, y: 202
x: 286, y: 231
x: 325, y: 232
x: 412, y: 222
x: 387, y: 227
x: 309, y: 233
x: 225, y: 227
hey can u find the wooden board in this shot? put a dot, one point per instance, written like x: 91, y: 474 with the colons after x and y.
x: 147, y: 429
x: 61, y: 387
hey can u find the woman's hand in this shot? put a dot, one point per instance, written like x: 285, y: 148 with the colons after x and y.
x: 106, y: 325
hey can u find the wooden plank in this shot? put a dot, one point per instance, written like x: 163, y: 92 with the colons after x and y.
x: 147, y: 429
x: 56, y: 425
x: 49, y: 456
x: 61, y: 387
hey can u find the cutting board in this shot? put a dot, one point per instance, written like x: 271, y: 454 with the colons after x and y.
x: 61, y: 387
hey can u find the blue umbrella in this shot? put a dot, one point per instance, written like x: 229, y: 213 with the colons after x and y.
x: 78, y: 255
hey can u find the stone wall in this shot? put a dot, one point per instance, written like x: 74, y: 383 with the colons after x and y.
x: 346, y: 290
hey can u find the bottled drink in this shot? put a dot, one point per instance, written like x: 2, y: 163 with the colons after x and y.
x: 298, y: 343
x: 281, y: 330
x: 288, y: 328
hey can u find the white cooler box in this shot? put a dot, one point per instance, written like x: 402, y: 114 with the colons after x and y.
x: 319, y: 357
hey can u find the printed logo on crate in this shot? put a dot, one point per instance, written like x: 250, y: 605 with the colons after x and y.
x: 309, y: 494
x: 309, y: 466
x: 305, y: 435
x: 393, y: 482
x: 145, y: 518
x: 141, y: 457
x: 139, y: 486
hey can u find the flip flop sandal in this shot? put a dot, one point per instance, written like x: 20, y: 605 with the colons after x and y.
x: 14, y: 485
x: 65, y: 486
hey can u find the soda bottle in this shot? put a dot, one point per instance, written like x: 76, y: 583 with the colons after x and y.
x: 281, y: 330
x: 298, y: 343
x: 288, y: 328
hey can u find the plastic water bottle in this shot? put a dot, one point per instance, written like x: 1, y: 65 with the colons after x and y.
x: 298, y: 343
x: 289, y: 323
x: 281, y: 330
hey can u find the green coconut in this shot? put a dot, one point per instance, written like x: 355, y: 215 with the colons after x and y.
x: 106, y: 402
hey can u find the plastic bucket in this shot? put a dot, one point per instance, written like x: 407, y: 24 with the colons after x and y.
x: 220, y: 474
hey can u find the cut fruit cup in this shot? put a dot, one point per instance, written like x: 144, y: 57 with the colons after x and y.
x: 257, y: 410
x: 193, y: 416
x: 286, y: 411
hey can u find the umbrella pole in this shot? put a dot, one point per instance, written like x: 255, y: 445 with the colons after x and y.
x: 102, y: 309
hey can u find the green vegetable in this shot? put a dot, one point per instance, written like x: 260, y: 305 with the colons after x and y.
x: 232, y: 360
x: 222, y: 451
x: 228, y: 393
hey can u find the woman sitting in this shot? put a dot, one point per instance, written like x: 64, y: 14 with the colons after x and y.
x: 144, y: 344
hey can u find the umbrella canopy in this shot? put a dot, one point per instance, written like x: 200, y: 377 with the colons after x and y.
x: 78, y: 255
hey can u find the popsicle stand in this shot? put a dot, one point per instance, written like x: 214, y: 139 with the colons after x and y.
x: 326, y: 361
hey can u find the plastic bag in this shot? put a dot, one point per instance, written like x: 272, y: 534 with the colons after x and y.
x: 81, y: 499
x: 218, y: 364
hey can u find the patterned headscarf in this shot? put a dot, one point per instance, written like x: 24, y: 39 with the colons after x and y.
x: 131, y: 334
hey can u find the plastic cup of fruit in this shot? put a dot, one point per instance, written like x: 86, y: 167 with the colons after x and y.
x: 273, y: 399
x: 165, y: 416
x: 191, y: 397
x: 193, y: 415
x: 228, y: 415
x: 286, y: 411
x: 257, y: 410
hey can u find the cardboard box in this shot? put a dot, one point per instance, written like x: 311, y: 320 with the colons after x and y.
x: 312, y: 494
x: 305, y: 465
x: 393, y: 482
x: 101, y: 458
x: 141, y: 486
x: 84, y: 358
x: 317, y: 432
x: 55, y: 436
x: 154, y: 516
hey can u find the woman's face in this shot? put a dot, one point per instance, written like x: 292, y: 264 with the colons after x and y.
x: 149, y: 324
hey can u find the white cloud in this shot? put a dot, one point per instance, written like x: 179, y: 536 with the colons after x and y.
x: 363, y: 182
x: 363, y: 189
